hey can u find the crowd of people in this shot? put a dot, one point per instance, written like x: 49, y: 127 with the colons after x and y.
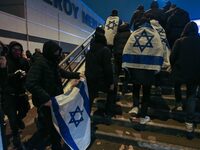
x: 39, y: 74
x: 155, y: 40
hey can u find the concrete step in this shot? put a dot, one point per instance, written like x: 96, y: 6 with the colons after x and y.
x: 166, y: 127
x: 145, y: 139
x: 102, y: 144
x: 159, y: 108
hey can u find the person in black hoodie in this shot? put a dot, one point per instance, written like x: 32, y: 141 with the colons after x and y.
x: 43, y: 82
x: 119, y: 42
x: 15, y: 104
x: 137, y: 15
x: 167, y: 6
x: 98, y: 70
x: 157, y: 13
x: 185, y: 64
x: 175, y: 25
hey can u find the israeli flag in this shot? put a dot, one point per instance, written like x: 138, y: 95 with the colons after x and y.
x: 71, y: 117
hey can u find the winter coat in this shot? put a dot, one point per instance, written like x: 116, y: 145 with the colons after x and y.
x: 121, y: 38
x: 185, y: 56
x: 175, y: 25
x: 15, y: 84
x: 157, y: 14
x: 135, y: 20
x: 3, y: 80
x: 44, y: 76
x: 98, y: 67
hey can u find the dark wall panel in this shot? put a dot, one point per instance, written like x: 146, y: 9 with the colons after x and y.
x: 14, y: 7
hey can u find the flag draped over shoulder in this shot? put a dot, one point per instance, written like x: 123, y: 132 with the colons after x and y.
x: 166, y: 52
x: 111, y: 27
x: 71, y: 117
x: 143, y: 50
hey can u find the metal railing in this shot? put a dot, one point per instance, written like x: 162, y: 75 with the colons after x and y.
x: 76, y: 58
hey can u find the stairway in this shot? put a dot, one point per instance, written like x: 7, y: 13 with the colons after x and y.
x: 165, y: 131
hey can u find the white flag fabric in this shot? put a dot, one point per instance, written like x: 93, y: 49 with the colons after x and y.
x: 111, y: 26
x: 143, y: 50
x: 71, y: 117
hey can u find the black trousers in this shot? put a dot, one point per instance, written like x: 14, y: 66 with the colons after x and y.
x: 45, y: 130
x: 15, y: 107
x: 93, y: 93
x: 191, y: 97
x: 118, y: 64
x: 146, y: 89
x: 190, y: 102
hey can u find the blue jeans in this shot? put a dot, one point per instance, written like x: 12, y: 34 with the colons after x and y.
x: 191, y: 103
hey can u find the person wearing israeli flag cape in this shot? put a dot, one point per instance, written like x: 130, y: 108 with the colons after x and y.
x: 71, y: 116
x: 143, y: 56
x: 166, y: 48
x: 43, y: 82
x: 111, y: 27
x: 166, y: 53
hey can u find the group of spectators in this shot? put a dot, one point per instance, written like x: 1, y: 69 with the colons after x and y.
x: 142, y: 52
x: 160, y: 40
x: 39, y: 74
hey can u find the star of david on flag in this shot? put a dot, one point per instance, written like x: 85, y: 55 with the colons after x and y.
x: 111, y: 25
x: 74, y: 114
x: 143, y: 41
x: 71, y: 117
x: 161, y: 31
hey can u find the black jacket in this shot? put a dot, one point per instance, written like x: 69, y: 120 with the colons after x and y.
x: 3, y: 80
x: 44, y: 77
x: 135, y: 20
x: 98, y: 67
x: 185, y: 56
x: 157, y: 14
x: 121, y: 38
x: 15, y: 84
x: 175, y: 25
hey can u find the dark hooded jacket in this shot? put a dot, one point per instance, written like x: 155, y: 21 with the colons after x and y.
x: 157, y: 13
x: 15, y: 84
x: 185, y: 56
x: 175, y: 25
x: 137, y: 15
x: 167, y: 6
x: 170, y: 12
x: 98, y: 68
x: 121, y: 38
x: 44, y: 77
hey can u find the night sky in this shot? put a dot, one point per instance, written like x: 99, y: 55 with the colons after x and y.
x: 126, y: 7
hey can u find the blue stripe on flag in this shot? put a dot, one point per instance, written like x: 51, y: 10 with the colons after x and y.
x: 64, y: 130
x: 142, y: 59
x: 81, y: 86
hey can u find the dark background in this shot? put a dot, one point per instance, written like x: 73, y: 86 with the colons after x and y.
x: 126, y: 7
